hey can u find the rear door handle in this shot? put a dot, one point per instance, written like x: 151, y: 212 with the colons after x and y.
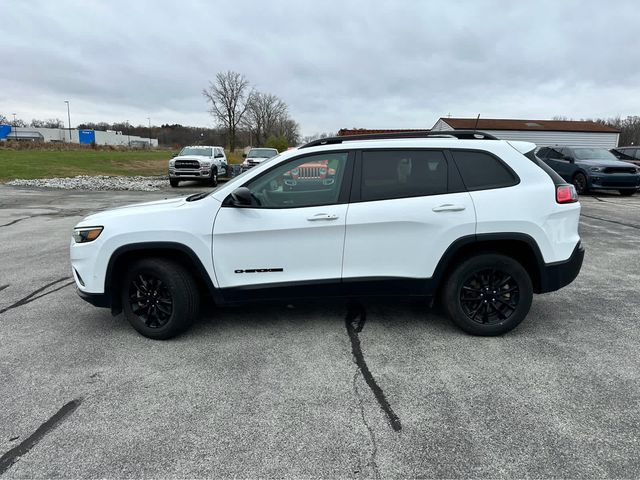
x: 449, y: 207
x: 322, y: 216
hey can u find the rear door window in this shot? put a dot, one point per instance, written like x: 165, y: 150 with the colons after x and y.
x: 388, y: 174
x: 482, y: 171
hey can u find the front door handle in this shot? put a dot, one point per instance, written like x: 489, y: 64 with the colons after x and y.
x: 322, y: 216
x: 449, y: 207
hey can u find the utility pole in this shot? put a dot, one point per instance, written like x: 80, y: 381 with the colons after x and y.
x: 128, y: 134
x: 69, y: 117
x: 149, y: 118
x: 15, y: 132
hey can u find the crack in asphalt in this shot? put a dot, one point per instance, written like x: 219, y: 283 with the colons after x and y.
x: 34, y: 295
x: 372, y: 436
x: 2, y: 287
x: 355, y: 320
x: 13, y: 222
x: 13, y: 455
x: 57, y: 213
x: 630, y: 225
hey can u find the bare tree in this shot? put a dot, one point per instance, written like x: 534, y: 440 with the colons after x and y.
x: 229, y: 97
x: 289, y: 129
x: 3, y: 120
x: 264, y: 113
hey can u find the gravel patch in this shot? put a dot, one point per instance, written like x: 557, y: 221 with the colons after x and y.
x: 98, y: 182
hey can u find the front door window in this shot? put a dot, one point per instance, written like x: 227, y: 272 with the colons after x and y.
x: 308, y: 181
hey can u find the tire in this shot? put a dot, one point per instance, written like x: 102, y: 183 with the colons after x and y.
x: 627, y: 192
x: 580, y: 182
x: 175, y: 306
x: 486, y: 316
x: 174, y: 182
x: 213, y: 181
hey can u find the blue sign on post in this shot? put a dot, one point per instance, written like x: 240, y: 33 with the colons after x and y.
x: 87, y: 136
x: 5, y: 130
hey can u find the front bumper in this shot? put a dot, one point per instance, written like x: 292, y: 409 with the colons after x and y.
x: 613, y: 181
x: 203, y: 173
x: 554, y: 276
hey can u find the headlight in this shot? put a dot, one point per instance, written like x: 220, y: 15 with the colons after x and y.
x: 595, y: 169
x: 86, y: 234
x: 172, y: 163
x: 205, y: 164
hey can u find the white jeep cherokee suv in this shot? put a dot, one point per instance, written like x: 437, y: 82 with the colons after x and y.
x: 199, y: 162
x: 459, y: 215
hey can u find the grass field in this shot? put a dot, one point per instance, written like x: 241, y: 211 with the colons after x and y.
x: 46, y: 164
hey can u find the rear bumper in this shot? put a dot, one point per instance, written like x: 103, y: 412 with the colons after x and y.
x: 554, y: 276
x: 101, y: 300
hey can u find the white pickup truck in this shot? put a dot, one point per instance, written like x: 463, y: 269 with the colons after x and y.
x: 200, y: 162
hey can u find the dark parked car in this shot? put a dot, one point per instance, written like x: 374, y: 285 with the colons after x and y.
x: 590, y: 168
x: 627, y: 154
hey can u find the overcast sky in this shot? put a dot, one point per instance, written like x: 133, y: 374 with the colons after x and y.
x: 369, y: 64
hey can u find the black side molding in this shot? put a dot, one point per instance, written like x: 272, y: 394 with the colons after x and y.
x: 102, y: 300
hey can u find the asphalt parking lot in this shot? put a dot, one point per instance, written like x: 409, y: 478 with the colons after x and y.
x: 275, y: 391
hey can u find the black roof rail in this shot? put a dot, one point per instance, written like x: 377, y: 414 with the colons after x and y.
x: 459, y: 134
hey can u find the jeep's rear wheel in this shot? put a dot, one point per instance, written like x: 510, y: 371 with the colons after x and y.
x: 488, y: 294
x: 174, y: 182
x: 159, y: 298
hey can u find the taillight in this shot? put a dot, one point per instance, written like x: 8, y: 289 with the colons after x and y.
x: 566, y: 194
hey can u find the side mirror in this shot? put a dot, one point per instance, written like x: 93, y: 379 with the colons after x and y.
x: 218, y: 155
x: 174, y: 155
x: 244, y: 155
x: 241, y: 197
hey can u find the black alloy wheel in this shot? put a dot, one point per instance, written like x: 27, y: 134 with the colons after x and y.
x: 151, y: 300
x: 160, y: 297
x: 489, y: 296
x: 580, y: 182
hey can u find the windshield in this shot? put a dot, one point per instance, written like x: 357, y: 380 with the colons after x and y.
x: 198, y: 151
x: 262, y: 152
x: 593, y: 154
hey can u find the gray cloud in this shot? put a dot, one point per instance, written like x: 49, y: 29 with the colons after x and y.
x: 336, y: 64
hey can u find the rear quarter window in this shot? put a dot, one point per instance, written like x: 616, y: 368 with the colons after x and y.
x: 481, y: 171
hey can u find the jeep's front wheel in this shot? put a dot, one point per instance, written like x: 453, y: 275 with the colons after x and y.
x: 488, y: 294
x: 213, y: 181
x: 160, y: 298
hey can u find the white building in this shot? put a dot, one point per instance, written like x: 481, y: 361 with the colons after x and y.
x: 540, y: 132
x: 110, y: 137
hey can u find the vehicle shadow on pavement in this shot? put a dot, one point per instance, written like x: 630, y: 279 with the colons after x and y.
x: 322, y: 312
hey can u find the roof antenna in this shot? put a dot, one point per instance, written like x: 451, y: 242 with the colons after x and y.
x: 475, y: 127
